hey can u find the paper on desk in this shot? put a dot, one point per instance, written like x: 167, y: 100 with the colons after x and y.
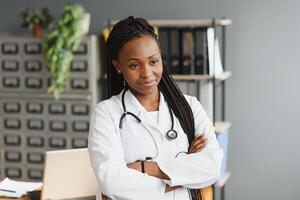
x: 20, y: 188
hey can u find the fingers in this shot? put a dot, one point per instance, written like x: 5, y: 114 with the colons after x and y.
x: 198, y: 144
x: 201, y: 146
x: 198, y: 139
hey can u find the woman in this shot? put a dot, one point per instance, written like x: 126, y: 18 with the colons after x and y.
x: 149, y: 141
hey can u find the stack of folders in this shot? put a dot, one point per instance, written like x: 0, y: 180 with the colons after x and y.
x: 190, y: 50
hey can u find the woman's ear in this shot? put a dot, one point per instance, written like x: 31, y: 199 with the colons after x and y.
x: 116, y: 65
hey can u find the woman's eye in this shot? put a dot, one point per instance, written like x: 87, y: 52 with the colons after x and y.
x: 134, y: 65
x: 153, y: 62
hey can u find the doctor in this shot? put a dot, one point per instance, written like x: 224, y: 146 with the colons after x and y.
x: 149, y: 141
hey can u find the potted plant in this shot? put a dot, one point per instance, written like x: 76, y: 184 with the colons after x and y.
x: 62, y: 42
x: 36, y: 20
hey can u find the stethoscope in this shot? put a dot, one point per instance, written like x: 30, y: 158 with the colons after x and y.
x: 171, y: 134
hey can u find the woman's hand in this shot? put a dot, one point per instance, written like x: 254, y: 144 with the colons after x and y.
x: 198, y: 144
x: 135, y: 165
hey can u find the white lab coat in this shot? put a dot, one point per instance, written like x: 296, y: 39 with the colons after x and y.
x: 111, y: 148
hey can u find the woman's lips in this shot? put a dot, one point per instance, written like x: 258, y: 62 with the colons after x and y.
x: 148, y: 83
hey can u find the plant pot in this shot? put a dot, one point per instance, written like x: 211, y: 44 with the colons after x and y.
x: 38, y: 31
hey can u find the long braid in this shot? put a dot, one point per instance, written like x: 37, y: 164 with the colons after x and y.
x: 125, y: 31
x: 183, y: 112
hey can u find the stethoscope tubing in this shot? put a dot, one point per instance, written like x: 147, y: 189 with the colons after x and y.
x: 171, y: 134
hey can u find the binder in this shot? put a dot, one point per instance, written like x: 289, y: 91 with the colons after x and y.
x: 201, y: 51
x: 211, y: 50
x: 187, y: 65
x: 214, y: 59
x: 163, y: 37
x: 174, y: 51
x: 218, y: 63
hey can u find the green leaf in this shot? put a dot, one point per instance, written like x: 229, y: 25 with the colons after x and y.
x: 60, y: 45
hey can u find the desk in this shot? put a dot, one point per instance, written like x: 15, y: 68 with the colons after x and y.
x: 22, y: 198
x: 207, y: 195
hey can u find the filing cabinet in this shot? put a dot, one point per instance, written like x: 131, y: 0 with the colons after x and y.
x: 31, y: 121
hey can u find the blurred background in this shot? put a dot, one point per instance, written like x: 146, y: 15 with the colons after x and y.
x: 262, y: 95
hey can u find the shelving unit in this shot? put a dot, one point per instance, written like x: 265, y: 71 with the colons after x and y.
x: 221, y: 125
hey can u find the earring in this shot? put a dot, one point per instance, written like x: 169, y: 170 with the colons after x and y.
x: 119, y: 71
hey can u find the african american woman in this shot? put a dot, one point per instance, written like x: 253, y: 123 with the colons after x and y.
x: 148, y: 141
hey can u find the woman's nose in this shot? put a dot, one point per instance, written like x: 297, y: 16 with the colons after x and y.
x: 146, y: 71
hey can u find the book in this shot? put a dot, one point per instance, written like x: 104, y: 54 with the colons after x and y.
x: 214, y: 58
x: 187, y: 56
x: 174, y: 51
x: 218, y: 63
x: 163, y: 36
x: 200, y: 51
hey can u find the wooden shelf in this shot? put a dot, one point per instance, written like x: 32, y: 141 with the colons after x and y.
x: 186, y: 22
x: 222, y: 181
x: 191, y: 77
x: 201, y: 77
x: 224, y: 76
x: 222, y: 126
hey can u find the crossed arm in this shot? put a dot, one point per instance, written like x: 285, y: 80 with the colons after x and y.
x: 152, y: 168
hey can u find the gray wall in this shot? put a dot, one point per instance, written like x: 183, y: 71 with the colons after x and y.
x: 262, y: 96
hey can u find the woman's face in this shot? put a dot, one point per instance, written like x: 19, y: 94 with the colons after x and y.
x: 140, y: 63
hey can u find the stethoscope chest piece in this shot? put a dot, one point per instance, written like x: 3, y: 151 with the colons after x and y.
x: 172, y: 134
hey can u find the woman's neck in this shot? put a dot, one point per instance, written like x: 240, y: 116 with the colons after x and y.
x: 150, y: 102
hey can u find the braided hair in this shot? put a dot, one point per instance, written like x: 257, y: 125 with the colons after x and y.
x: 129, y: 29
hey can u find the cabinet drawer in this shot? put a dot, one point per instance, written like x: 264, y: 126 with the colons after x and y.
x: 13, y: 172
x: 10, y: 65
x: 35, y: 141
x: 13, y: 156
x: 12, y: 140
x: 12, y: 107
x: 33, y: 48
x: 12, y: 123
x: 9, y: 48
